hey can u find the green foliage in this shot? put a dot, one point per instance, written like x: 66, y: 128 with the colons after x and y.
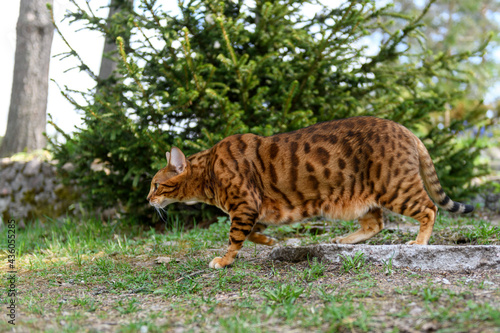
x: 430, y: 294
x: 220, y: 68
x: 283, y: 294
x: 354, y: 263
x: 130, y: 307
x: 345, y: 317
x: 315, y: 271
x: 388, y: 265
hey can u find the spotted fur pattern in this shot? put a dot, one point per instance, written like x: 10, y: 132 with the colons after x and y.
x: 342, y: 169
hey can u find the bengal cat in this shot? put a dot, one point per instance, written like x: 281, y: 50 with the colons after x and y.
x: 341, y: 169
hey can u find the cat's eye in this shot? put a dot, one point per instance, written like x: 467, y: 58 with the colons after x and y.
x: 156, y: 186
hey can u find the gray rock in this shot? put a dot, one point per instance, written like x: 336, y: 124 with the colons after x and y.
x: 19, y: 166
x: 492, y: 202
x: 29, y: 189
x: 37, y: 182
x: 32, y: 167
x: 9, y: 173
x: 5, y: 191
x: 292, y: 242
x: 19, y: 212
x: 4, y: 205
x: 3, y: 182
x: 59, y: 189
x: 48, y: 170
x: 69, y: 167
x: 23, y: 195
x: 18, y: 182
x: 43, y: 197
x: 49, y: 184
x: 415, y: 311
x: 5, y: 162
x: 431, y: 257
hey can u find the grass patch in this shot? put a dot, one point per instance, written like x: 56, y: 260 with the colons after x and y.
x: 96, y: 276
x: 354, y: 263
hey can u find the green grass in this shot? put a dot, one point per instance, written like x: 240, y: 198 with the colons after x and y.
x: 283, y: 294
x: 354, y: 263
x: 315, y: 270
x: 88, y: 273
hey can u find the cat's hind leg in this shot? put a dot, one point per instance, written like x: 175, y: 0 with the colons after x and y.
x: 258, y: 237
x: 414, y: 203
x: 371, y: 224
x: 424, y: 211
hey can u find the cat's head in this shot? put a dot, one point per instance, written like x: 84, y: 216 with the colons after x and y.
x: 167, y: 184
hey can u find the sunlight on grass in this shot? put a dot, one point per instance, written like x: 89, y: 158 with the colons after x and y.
x: 73, y: 270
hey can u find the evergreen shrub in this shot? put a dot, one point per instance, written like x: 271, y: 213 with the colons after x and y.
x: 192, y: 76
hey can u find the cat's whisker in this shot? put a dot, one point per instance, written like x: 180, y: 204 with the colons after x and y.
x: 158, y: 209
x: 165, y: 220
x: 163, y: 210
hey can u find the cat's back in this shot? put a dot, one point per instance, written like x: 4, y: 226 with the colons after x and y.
x: 357, y: 138
x: 363, y: 129
x: 342, y: 165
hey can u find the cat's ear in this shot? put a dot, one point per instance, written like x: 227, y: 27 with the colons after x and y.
x: 167, y: 154
x: 177, y: 160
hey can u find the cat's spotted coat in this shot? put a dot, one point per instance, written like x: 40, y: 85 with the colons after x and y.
x: 341, y: 169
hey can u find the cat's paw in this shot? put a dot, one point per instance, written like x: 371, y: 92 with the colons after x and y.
x: 338, y: 240
x: 219, y: 262
x: 414, y: 243
x: 271, y: 241
x: 215, y: 263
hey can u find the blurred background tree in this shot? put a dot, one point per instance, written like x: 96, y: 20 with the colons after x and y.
x: 453, y: 27
x: 118, y: 9
x: 216, y: 68
x: 28, y: 103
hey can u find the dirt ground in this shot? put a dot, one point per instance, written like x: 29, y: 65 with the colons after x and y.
x: 404, y: 301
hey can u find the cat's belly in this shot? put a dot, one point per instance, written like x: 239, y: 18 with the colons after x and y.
x: 274, y: 212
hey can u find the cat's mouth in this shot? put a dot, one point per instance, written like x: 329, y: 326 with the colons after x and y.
x: 167, y: 202
x: 163, y: 204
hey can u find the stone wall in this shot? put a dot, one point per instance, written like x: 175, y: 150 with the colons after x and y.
x: 31, y: 190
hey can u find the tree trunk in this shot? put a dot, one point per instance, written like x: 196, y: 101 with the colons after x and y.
x: 28, y: 102
x: 108, y: 64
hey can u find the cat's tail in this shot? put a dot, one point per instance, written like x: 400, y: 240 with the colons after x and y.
x: 433, y: 186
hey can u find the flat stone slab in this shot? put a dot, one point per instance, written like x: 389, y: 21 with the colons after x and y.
x: 430, y: 257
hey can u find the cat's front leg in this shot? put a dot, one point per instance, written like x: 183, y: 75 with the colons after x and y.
x: 242, y: 223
